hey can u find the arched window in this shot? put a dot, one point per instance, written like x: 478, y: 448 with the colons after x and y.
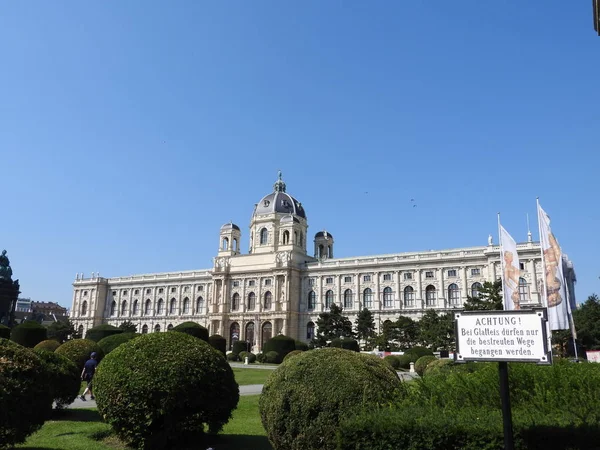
x: 267, y: 332
x: 453, y: 294
x: 225, y: 245
x: 124, y: 307
x: 388, y: 299
x: 160, y: 307
x: 170, y: 327
x: 157, y: 328
x: 348, y: 303
x: 80, y: 330
x: 234, y: 333
x: 173, y: 306
x: 186, y: 305
x: 199, y: 305
x: 136, y: 307
x: 409, y: 296
x: 113, y: 308
x: 147, y: 308
x: 368, y: 298
x: 268, y: 300
x: 328, y: 299
x: 301, y: 239
x: 476, y: 290
x: 84, y: 308
x: 295, y: 237
x: 523, y: 290
x: 321, y: 250
x: 235, y: 245
x: 329, y: 251
x: 235, y: 302
x: 312, y: 300
x: 430, y: 295
x: 264, y: 236
x: 286, y: 237
x: 250, y: 334
x: 310, y: 330
x: 251, y: 301
x: 145, y: 329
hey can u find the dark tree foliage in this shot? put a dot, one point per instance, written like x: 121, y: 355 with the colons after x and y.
x: 437, y: 331
x: 62, y: 331
x: 128, y: 327
x: 489, y: 299
x: 332, y: 324
x: 587, y: 323
x: 365, y: 325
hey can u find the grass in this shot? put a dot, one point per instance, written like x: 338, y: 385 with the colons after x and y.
x: 78, y: 429
x: 251, y: 376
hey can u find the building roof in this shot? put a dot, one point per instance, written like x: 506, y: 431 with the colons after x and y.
x: 279, y: 202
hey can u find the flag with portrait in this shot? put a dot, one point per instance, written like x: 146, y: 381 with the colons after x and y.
x: 510, y: 270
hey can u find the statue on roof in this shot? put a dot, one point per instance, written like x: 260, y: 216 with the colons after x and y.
x: 279, y: 185
x: 5, y: 270
x: 9, y: 291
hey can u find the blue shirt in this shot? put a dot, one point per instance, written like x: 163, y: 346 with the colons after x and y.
x: 90, y: 367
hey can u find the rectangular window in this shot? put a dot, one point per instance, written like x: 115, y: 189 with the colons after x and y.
x: 347, y: 279
x: 124, y: 292
x: 329, y: 280
x: 173, y: 289
x: 200, y: 288
x: 160, y: 291
x: 311, y: 281
x: 136, y: 292
x: 429, y: 274
x: 185, y: 289
x: 148, y: 291
x: 236, y: 283
x: 408, y: 276
x: 251, y: 283
x: 85, y: 293
x: 114, y: 293
x: 367, y: 278
x: 452, y: 273
x: 268, y: 282
x: 475, y: 272
x: 387, y: 277
x: 522, y: 266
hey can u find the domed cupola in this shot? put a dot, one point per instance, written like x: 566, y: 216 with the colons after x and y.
x: 323, y: 245
x: 279, y: 202
x: 229, y: 240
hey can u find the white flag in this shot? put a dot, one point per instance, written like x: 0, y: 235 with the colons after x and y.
x: 510, y: 270
x: 554, y: 282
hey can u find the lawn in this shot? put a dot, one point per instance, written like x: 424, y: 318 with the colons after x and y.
x: 251, y: 376
x: 76, y: 429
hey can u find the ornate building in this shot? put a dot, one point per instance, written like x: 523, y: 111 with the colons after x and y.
x: 277, y: 287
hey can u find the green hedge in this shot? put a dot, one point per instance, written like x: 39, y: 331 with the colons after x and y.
x: 25, y: 401
x: 64, y: 378
x: 280, y: 344
x: 251, y: 357
x: 99, y: 332
x: 240, y: 346
x: 184, y: 385
x: 4, y: 332
x: 218, y: 342
x: 304, y: 399
x: 273, y: 357
x: 393, y: 361
x: 79, y: 351
x: 233, y: 357
x: 49, y: 345
x: 422, y: 363
x: 29, y: 334
x: 437, y: 366
x: 261, y: 357
x: 346, y: 343
x: 291, y: 354
x: 405, y: 360
x: 301, y: 345
x: 419, y: 351
x: 193, y: 329
x: 109, y: 343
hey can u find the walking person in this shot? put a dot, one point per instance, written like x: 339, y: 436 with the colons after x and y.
x: 87, y: 374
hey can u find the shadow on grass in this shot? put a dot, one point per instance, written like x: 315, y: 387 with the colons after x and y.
x: 238, y: 442
x: 76, y: 415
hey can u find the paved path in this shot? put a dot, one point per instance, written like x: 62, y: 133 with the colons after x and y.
x: 241, y: 365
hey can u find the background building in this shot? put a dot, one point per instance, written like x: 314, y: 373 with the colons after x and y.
x: 277, y: 287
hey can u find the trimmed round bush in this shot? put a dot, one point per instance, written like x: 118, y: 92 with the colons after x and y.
x: 24, y: 398
x: 109, y: 343
x: 219, y: 342
x: 301, y: 346
x: 251, y: 357
x: 233, y: 357
x: 438, y: 366
x: 280, y: 344
x: 49, y: 345
x: 240, y: 346
x: 393, y: 361
x: 272, y: 357
x: 422, y: 363
x: 99, y: 332
x: 406, y: 359
x: 4, y: 332
x: 63, y: 380
x: 303, y: 400
x: 29, y: 334
x: 79, y: 351
x: 184, y: 385
x: 291, y: 354
x: 193, y: 329
x: 261, y: 357
x: 419, y: 351
x: 346, y: 343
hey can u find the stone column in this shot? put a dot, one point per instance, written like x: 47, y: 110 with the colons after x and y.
x: 419, y: 293
x: 378, y: 302
x: 465, y: 289
x: 398, y: 299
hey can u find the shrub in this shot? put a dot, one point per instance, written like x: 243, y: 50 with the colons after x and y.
x: 422, y: 363
x: 99, y: 332
x: 193, y: 329
x: 219, y: 342
x: 109, y: 343
x: 28, y: 334
x: 24, y: 399
x: 167, y: 404
x: 301, y: 346
x: 240, y: 346
x: 345, y: 343
x: 4, y: 332
x: 304, y: 399
x: 292, y: 353
x: 438, y: 366
x: 261, y: 357
x: 63, y: 380
x: 280, y: 344
x: 49, y: 345
x: 272, y: 357
x: 79, y: 351
x: 233, y: 357
x: 251, y: 357
x: 393, y: 361
x: 419, y: 351
x: 405, y: 360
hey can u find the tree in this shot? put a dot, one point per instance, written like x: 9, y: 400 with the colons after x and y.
x: 406, y: 332
x: 435, y: 331
x: 62, y: 331
x: 332, y: 324
x: 489, y: 299
x: 128, y: 327
x: 587, y: 323
x: 365, y: 325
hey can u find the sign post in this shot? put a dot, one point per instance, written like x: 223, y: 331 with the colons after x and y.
x: 503, y: 336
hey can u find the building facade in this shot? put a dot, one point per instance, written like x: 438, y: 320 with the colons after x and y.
x: 279, y: 288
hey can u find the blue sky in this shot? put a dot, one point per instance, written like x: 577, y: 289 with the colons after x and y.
x: 131, y: 131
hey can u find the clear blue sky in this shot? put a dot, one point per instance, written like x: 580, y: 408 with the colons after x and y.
x: 131, y: 131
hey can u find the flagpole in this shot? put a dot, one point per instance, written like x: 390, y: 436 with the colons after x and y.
x: 544, y: 287
x: 504, y: 302
x: 571, y: 321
